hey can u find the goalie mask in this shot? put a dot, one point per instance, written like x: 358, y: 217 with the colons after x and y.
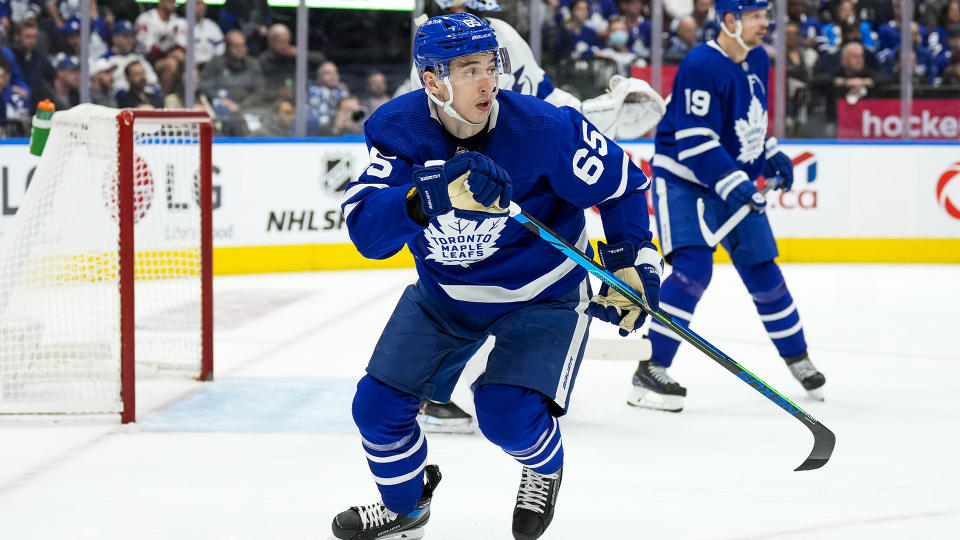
x: 445, y: 37
x: 737, y: 8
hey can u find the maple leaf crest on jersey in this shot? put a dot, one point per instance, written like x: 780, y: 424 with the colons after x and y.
x: 462, y: 241
x: 752, y: 132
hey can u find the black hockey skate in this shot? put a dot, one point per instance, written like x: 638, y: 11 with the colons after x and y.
x: 654, y: 389
x: 376, y: 522
x: 809, y: 376
x: 444, y: 418
x: 535, y: 503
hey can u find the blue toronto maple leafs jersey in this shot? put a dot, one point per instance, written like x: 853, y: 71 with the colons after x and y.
x: 716, y: 119
x: 559, y: 165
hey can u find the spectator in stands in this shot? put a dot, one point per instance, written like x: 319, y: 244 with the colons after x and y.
x: 176, y: 99
x: 800, y: 62
x: 34, y: 65
x: 158, y: 32
x: 17, y: 82
x: 576, y: 40
x: 810, y: 27
x: 845, y: 21
x: 234, y: 77
x: 14, y: 109
x: 376, y: 94
x: 349, y: 118
x: 888, y: 37
x: 324, y: 96
x: 939, y: 39
x: 875, y: 12
x: 616, y: 49
x: 101, y: 82
x: 639, y: 28
x: 684, y: 40
x: 280, y: 121
x: 66, y: 83
x: 122, y: 53
x: 207, y: 36
x: 598, y: 14
x: 923, y: 74
x: 117, y: 10
x: 251, y: 18
x: 706, y: 21
x: 852, y: 81
x: 949, y: 61
x: 22, y: 10
x: 279, y: 61
x: 138, y: 95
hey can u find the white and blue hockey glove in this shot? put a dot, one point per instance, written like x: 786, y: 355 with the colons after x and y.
x: 737, y: 190
x: 478, y: 184
x: 778, y: 164
x: 641, y: 269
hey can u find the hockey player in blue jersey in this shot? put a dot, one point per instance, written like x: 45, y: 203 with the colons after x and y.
x: 627, y: 110
x: 712, y: 145
x: 444, y: 163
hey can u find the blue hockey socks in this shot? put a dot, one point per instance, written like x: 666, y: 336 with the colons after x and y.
x: 519, y: 421
x: 775, y: 306
x: 679, y: 294
x: 396, y: 449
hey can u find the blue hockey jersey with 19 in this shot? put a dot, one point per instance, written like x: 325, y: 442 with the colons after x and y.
x: 716, y: 120
x: 559, y: 164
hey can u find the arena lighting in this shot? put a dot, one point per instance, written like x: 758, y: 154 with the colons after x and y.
x: 385, y: 5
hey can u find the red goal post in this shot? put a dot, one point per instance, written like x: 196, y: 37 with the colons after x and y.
x: 106, y: 271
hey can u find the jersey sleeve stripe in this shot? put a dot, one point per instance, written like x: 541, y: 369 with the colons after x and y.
x: 694, y: 131
x: 624, y: 177
x: 697, y: 150
x: 667, y: 163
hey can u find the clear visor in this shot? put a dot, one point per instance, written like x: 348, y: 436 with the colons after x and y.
x: 478, y: 67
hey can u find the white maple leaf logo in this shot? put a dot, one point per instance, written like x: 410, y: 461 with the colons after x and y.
x: 752, y: 132
x: 462, y: 241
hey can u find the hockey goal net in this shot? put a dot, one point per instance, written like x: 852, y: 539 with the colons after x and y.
x: 105, y: 271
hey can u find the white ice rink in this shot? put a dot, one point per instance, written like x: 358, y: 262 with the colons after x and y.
x: 268, y: 450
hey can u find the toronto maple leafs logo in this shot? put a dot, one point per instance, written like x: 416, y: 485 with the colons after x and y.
x: 462, y: 241
x: 751, y: 131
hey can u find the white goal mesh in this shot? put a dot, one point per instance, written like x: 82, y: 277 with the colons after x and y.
x: 61, y: 317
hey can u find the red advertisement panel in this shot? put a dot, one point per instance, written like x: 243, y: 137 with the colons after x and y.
x: 931, y: 119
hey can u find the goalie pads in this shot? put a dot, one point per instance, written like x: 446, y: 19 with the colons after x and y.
x: 627, y: 110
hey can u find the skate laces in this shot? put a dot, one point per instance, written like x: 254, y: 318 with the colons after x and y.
x: 659, y: 373
x: 534, y: 490
x: 803, y: 369
x: 375, y: 515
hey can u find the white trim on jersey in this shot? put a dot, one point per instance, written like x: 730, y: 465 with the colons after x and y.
x: 663, y: 224
x: 493, y: 294
x: 694, y: 131
x: 697, y: 150
x: 681, y: 171
x: 390, y: 459
x: 576, y: 343
x: 780, y: 314
x: 786, y: 333
x: 624, y: 177
x: 400, y: 479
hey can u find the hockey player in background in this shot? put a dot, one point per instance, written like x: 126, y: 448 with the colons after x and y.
x: 444, y: 164
x: 628, y: 110
x: 712, y: 144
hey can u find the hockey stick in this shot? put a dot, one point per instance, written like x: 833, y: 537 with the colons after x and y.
x: 714, y: 238
x: 823, y: 439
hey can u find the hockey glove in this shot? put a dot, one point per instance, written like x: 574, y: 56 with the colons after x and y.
x: 737, y: 190
x: 431, y: 184
x: 477, y: 183
x: 641, y: 269
x: 778, y: 164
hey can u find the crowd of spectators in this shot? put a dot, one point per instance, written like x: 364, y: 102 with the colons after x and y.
x: 836, y: 49
x: 245, y: 66
x: 246, y: 58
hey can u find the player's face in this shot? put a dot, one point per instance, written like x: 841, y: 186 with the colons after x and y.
x: 474, y: 82
x: 755, y: 24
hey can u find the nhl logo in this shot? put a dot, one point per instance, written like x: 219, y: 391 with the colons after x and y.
x: 335, y: 174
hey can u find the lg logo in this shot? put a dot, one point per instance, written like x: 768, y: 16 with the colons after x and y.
x: 950, y: 178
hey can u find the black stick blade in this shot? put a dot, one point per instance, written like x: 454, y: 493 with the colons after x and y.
x: 823, y: 442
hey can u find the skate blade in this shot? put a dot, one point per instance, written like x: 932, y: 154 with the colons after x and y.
x: 816, y: 393
x: 648, y: 399
x: 433, y: 425
x: 413, y: 534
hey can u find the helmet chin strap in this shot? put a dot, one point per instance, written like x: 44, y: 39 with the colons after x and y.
x: 446, y: 105
x: 737, y: 36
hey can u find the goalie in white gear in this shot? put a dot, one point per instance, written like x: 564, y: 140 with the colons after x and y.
x: 627, y: 110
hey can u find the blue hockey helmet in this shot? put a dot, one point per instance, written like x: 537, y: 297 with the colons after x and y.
x: 738, y: 7
x: 445, y: 37
x: 479, y: 5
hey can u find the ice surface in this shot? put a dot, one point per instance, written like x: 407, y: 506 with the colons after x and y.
x: 268, y: 450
